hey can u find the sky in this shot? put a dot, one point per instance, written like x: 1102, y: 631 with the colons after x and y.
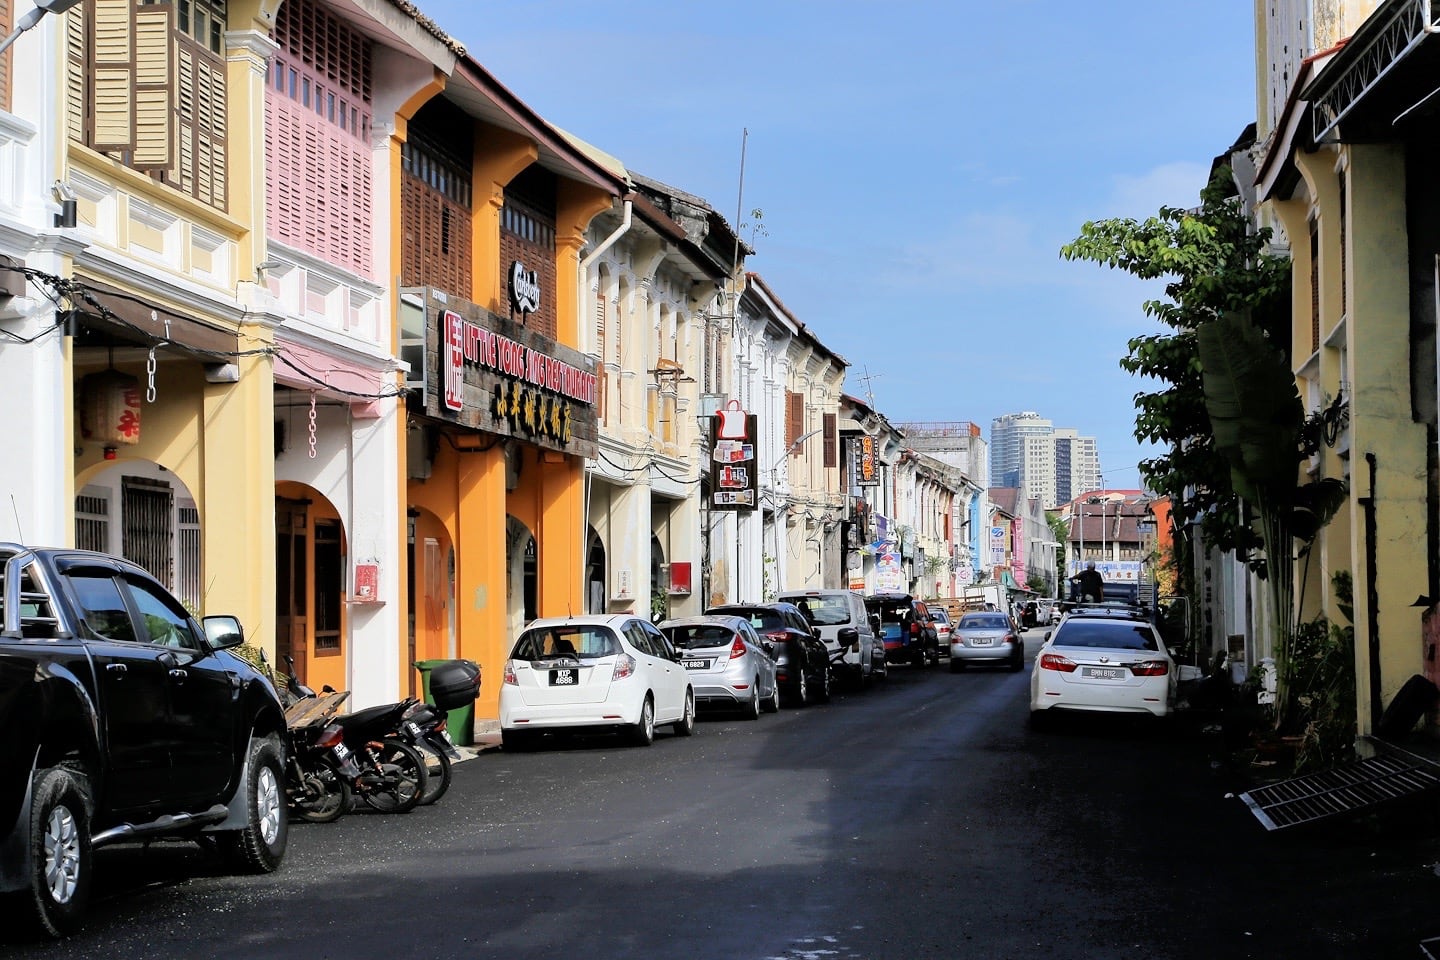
x: 918, y: 165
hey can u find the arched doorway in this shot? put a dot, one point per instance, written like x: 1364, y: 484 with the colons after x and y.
x: 520, y: 565
x: 138, y: 510
x: 595, y: 576
x: 659, y: 581
x: 310, y: 568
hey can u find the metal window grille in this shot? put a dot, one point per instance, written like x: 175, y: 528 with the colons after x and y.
x: 147, y: 523
x: 188, y: 585
x: 92, y: 522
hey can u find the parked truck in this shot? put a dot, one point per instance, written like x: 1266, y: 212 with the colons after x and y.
x: 125, y: 719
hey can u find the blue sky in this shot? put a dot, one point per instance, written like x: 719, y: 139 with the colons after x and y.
x: 919, y: 165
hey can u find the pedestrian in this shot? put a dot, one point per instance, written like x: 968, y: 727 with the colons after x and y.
x: 1092, y: 585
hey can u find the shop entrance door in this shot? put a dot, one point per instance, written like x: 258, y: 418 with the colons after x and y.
x: 292, y: 570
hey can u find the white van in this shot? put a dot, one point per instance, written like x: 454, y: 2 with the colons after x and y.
x: 841, y: 620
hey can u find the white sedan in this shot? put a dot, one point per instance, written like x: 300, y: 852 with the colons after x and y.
x: 1104, y: 664
x: 607, y: 672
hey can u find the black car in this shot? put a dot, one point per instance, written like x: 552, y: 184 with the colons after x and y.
x: 908, y: 629
x: 1030, y: 614
x: 802, y: 662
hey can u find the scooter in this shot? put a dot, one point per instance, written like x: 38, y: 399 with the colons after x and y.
x: 319, y: 771
x: 422, y: 726
x: 390, y: 775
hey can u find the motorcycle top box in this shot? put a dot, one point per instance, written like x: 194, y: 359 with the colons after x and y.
x: 455, y: 684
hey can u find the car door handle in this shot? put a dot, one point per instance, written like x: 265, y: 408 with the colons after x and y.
x: 119, y: 669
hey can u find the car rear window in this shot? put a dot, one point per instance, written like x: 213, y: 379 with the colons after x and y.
x: 1114, y: 636
x: 825, y: 611
x: 702, y: 635
x: 983, y: 623
x: 759, y: 619
x: 586, y: 642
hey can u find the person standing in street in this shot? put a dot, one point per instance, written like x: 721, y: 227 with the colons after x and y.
x: 1092, y: 585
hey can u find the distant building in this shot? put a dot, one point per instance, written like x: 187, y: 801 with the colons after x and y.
x: 1049, y: 463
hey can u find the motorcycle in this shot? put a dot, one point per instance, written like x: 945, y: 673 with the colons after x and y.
x: 319, y: 771
x: 422, y: 726
x: 389, y: 775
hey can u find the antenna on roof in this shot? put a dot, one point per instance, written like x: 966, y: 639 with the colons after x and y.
x: 869, y: 392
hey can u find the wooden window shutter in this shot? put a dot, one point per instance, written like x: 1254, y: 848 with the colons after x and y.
x: 1314, y: 285
x: 5, y: 18
x: 113, y: 67
x: 794, y: 420
x: 77, y: 57
x: 154, y: 88
x: 832, y: 440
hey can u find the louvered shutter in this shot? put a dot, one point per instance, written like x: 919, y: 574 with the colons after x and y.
x: 77, y: 68
x: 602, y: 387
x: 832, y: 440
x: 5, y: 59
x: 113, y: 68
x: 794, y: 420
x: 154, y: 88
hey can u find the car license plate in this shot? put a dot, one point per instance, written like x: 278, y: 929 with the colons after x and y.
x: 564, y: 678
x: 695, y: 664
x: 980, y: 642
x: 1104, y: 673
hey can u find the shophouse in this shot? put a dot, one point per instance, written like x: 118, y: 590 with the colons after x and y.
x: 493, y: 211
x: 1345, y: 140
x: 140, y: 366
x: 960, y: 446
x: 870, y: 452
x: 655, y: 273
x: 928, y: 522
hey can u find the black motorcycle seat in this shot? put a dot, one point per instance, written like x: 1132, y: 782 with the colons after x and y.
x: 369, y: 715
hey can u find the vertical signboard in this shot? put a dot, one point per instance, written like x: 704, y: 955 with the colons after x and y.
x: 867, y: 468
x: 454, y: 326
x: 734, y: 469
x: 997, y: 546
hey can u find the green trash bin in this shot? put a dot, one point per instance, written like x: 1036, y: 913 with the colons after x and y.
x: 460, y: 722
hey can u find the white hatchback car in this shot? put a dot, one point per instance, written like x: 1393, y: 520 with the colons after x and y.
x: 1102, y: 663
x: 617, y: 672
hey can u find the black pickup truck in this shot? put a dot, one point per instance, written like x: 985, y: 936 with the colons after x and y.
x: 124, y: 719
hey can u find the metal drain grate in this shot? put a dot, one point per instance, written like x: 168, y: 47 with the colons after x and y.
x: 1340, y: 791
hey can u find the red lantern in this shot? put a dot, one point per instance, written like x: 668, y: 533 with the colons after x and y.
x: 110, y: 407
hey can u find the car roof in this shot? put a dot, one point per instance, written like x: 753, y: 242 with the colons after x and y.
x: 729, y: 620
x: 612, y: 620
x: 772, y: 605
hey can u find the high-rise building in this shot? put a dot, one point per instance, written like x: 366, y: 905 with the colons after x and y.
x: 1051, y: 464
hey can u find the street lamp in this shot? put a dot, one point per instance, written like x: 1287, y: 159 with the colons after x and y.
x: 42, y: 7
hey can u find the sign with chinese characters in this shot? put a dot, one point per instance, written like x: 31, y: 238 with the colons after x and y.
x: 734, y: 469
x: 501, y: 377
x: 867, y: 466
x: 997, y: 545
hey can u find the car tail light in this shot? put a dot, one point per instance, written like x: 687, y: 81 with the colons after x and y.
x: 914, y: 629
x: 778, y: 636
x: 737, y: 649
x: 1009, y: 638
x: 1150, y: 668
x: 1053, y: 661
x: 330, y: 736
x: 510, y: 675
x: 624, y: 666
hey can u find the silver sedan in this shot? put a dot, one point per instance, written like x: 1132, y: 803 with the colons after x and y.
x: 729, y: 664
x: 986, y: 637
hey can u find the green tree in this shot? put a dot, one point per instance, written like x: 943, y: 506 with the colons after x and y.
x: 1213, y: 262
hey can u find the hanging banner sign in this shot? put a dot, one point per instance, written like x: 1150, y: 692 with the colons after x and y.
x: 734, y: 469
x: 489, y: 373
x: 867, y: 465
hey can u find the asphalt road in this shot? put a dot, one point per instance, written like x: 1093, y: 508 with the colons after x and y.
x: 918, y: 819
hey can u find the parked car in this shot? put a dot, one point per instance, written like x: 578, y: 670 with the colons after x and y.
x: 802, y: 664
x: 986, y: 637
x: 943, y: 626
x: 730, y: 665
x: 606, y: 672
x: 842, y: 621
x: 906, y: 628
x: 125, y: 719
x: 1102, y: 663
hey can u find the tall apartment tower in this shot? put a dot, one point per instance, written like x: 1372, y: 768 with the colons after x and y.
x: 1077, y: 465
x: 1052, y: 464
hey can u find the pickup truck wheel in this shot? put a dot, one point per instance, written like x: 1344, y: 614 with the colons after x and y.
x: 61, y: 860
x: 260, y: 845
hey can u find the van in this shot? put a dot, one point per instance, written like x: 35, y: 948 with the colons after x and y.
x: 841, y: 620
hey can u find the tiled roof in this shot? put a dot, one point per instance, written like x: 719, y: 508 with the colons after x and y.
x: 430, y: 26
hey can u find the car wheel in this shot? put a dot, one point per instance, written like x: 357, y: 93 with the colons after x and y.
x: 802, y: 689
x: 1017, y: 662
x: 824, y: 695
x: 260, y: 845
x: 752, y: 706
x: 61, y: 859
x: 772, y: 705
x: 685, y: 726
x: 642, y: 734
